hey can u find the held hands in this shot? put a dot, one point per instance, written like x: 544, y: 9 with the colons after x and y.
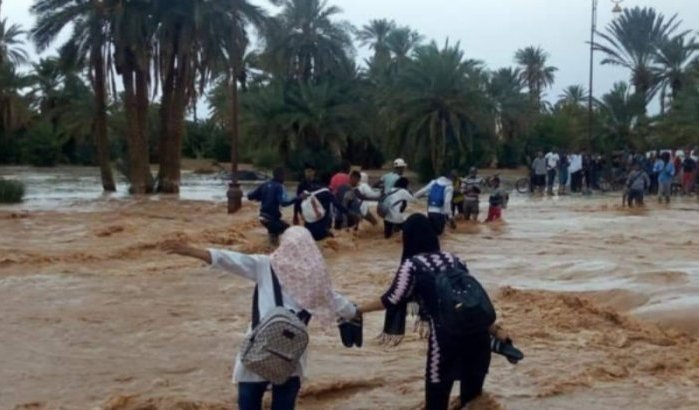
x: 499, y: 333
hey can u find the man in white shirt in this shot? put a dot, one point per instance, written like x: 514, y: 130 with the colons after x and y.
x: 552, y: 161
x: 576, y: 172
x: 439, y: 194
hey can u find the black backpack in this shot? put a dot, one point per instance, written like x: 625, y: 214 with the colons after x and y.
x: 463, y: 305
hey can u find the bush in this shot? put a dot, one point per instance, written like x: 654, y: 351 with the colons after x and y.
x: 266, y: 158
x: 219, y: 147
x: 11, y: 192
x: 41, y: 148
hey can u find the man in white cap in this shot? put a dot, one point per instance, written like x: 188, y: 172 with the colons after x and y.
x: 388, y: 181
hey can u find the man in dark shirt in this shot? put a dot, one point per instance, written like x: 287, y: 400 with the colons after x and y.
x: 272, y: 196
x: 689, y: 167
x: 309, y: 184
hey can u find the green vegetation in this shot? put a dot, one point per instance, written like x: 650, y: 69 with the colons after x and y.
x: 11, y: 192
x: 125, y: 83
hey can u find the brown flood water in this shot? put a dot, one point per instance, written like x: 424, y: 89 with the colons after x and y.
x: 604, y: 302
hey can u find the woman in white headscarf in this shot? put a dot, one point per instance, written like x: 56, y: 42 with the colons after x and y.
x: 305, y: 285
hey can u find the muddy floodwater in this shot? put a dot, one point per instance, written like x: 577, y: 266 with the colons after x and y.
x: 604, y: 302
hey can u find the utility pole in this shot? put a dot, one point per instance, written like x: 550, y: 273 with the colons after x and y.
x: 590, y: 112
x: 593, y: 30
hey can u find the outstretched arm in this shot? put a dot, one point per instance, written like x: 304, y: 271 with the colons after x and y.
x: 176, y: 248
x: 239, y: 264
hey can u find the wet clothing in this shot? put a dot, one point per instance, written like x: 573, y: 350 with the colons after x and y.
x: 438, y: 222
x: 272, y: 196
x: 397, y: 201
x: 457, y: 202
x: 339, y: 180
x: 257, y: 268
x: 494, y: 214
x: 305, y: 186
x: 445, y: 208
x: 638, y: 181
x: 389, y: 228
x: 498, y: 201
x: 275, y: 227
x: 448, y: 360
x: 634, y: 196
x: 322, y: 229
x: 250, y: 395
x: 472, y: 191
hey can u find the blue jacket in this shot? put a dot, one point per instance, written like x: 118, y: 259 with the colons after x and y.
x: 272, y: 195
x: 665, y: 171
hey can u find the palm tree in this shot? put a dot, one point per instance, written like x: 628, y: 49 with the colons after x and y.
x: 436, y: 105
x: 87, y: 46
x: 574, y: 95
x: 534, y: 71
x: 631, y: 42
x: 621, y: 110
x: 11, y: 45
x: 132, y: 32
x: 298, y: 116
x: 195, y: 40
x: 305, y: 42
x: 14, y: 109
x: 512, y: 112
x: 673, y: 57
x: 375, y: 35
x: 402, y: 41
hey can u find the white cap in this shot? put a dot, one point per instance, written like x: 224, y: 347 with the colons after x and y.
x: 400, y: 163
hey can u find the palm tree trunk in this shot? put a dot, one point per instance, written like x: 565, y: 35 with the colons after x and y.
x: 142, y: 104
x: 166, y: 114
x: 662, y: 100
x: 101, y: 136
x: 139, y: 168
x: 136, y: 178
x: 177, y: 123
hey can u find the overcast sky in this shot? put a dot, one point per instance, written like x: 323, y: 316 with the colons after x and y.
x: 491, y: 30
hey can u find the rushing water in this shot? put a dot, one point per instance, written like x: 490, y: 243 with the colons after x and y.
x: 92, y: 309
x: 63, y: 187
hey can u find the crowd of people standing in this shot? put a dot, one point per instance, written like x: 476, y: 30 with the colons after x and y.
x: 661, y: 173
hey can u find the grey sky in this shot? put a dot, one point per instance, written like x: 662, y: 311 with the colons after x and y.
x: 491, y: 30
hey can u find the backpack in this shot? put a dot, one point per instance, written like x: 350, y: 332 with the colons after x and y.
x: 437, y: 195
x: 274, y: 348
x: 351, y: 199
x: 384, y: 208
x: 311, y: 208
x: 464, y: 307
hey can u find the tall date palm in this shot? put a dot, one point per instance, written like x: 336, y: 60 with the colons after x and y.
x: 87, y: 45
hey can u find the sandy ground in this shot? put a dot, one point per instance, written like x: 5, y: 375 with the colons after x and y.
x: 94, y: 316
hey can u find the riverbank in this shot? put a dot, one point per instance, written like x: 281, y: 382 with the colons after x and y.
x: 602, y: 300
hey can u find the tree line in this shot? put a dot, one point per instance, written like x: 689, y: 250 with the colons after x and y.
x: 125, y: 85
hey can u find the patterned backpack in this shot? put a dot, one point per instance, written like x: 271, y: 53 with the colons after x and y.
x: 274, y: 348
